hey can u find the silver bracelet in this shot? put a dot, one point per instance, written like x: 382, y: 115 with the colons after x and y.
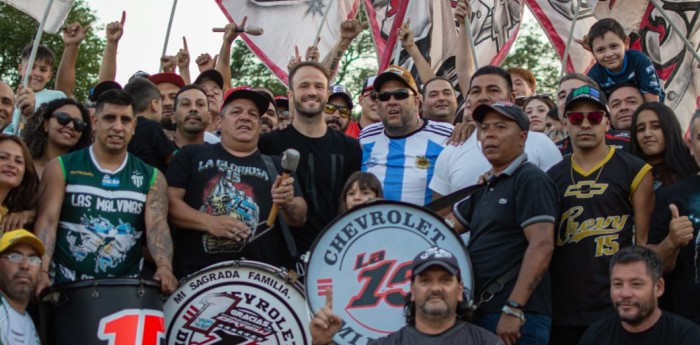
x: 509, y: 311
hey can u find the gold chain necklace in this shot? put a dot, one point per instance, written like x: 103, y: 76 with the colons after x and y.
x: 584, y: 188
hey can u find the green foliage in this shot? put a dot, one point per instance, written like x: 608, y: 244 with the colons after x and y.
x: 19, y: 29
x: 534, y: 53
x: 247, y: 69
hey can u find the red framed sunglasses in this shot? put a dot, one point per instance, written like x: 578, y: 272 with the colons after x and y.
x: 576, y: 117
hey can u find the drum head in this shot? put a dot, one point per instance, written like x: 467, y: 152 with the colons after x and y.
x: 237, y: 302
x: 365, y: 255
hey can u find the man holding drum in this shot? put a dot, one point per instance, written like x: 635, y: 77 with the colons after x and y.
x: 20, y: 259
x: 96, y: 202
x: 220, y: 193
x: 436, y: 308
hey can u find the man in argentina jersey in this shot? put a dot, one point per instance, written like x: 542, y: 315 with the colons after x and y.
x: 606, y: 204
x: 401, y: 150
x: 96, y: 202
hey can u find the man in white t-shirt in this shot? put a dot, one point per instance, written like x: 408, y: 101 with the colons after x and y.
x: 461, y: 166
x: 20, y: 265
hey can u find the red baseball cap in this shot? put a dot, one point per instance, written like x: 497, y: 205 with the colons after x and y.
x: 167, y: 77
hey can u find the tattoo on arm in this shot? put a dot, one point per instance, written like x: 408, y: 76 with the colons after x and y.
x: 160, y: 243
x: 536, y: 280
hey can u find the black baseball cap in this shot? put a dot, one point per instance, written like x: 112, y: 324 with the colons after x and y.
x: 246, y: 92
x: 506, y: 109
x: 587, y: 93
x: 435, y: 256
x: 342, y: 91
x: 102, y: 87
x: 210, y: 74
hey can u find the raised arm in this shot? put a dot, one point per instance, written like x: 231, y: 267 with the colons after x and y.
x: 223, y: 63
x: 51, y: 193
x: 408, y: 42
x: 349, y: 29
x: 183, y: 62
x: 73, y: 34
x: 160, y: 245
x: 464, y: 60
x: 114, y: 32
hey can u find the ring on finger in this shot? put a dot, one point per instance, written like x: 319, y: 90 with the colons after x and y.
x: 286, y: 195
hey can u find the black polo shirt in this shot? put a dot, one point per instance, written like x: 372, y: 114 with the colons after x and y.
x: 496, y: 216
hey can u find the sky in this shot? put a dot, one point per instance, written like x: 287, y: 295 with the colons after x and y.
x: 146, y: 24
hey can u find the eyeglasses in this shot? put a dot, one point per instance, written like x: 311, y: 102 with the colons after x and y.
x: 64, y: 119
x: 399, y: 95
x: 19, y: 259
x: 331, y: 108
x: 576, y: 117
x: 370, y: 93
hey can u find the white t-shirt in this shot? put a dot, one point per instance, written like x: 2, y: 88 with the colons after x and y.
x: 41, y: 97
x: 461, y: 166
x: 16, y: 328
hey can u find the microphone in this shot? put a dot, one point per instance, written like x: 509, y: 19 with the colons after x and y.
x: 250, y: 30
x: 290, y: 161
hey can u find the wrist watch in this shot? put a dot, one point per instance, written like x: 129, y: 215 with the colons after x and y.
x: 512, y: 312
x: 513, y: 304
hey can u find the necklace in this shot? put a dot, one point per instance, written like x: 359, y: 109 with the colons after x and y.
x: 586, y: 187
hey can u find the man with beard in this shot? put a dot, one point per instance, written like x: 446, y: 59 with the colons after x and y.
x: 401, y: 150
x: 220, y: 193
x: 369, y: 114
x: 635, y: 286
x: 624, y: 100
x: 269, y: 119
x: 436, y: 308
x: 212, y: 82
x: 328, y: 157
x: 439, y: 100
x: 149, y: 142
x: 338, y: 111
x: 169, y: 84
x: 20, y: 262
x: 192, y: 115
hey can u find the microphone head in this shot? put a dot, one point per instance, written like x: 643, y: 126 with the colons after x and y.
x: 290, y: 160
x: 253, y: 30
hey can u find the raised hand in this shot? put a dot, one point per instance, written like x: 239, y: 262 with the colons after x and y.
x: 183, y: 56
x: 325, y: 324
x: 680, y: 229
x: 205, y: 62
x: 115, y: 30
x: 168, y: 62
x: 73, y: 34
x: 350, y: 28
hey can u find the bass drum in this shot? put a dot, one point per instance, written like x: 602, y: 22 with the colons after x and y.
x: 365, y: 255
x: 96, y: 312
x: 237, y: 302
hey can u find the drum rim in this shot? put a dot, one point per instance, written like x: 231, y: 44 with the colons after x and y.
x: 121, y: 281
x: 277, y: 271
x: 337, y: 219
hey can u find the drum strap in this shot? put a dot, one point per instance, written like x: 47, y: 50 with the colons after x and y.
x: 495, y: 286
x: 291, y: 245
x: 452, y: 198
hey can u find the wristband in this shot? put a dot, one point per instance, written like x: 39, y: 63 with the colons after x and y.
x: 513, y: 304
x: 516, y: 313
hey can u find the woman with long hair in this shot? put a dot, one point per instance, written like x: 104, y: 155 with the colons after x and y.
x: 656, y: 138
x: 58, y: 127
x: 18, y: 184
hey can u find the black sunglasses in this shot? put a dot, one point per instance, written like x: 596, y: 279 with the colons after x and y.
x: 64, y: 119
x: 399, y: 95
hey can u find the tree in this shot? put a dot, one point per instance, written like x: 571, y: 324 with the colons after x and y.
x: 534, y: 53
x: 19, y: 29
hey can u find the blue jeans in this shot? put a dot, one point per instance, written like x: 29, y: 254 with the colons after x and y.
x: 535, y: 331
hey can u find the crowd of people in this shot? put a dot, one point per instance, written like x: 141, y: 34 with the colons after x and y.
x: 583, y: 229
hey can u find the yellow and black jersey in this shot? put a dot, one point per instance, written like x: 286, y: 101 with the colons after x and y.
x: 597, y: 219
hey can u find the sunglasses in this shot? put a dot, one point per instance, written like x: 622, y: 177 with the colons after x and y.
x: 576, y: 117
x: 19, y: 259
x: 370, y: 93
x: 331, y: 108
x: 64, y: 119
x: 385, y: 96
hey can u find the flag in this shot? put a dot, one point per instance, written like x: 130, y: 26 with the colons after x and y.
x: 555, y: 17
x: 36, y: 8
x: 287, y: 23
x: 494, y: 26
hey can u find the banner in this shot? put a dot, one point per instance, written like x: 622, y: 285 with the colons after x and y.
x: 494, y: 26
x: 287, y: 23
x: 36, y: 8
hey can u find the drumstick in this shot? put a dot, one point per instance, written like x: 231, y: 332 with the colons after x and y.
x: 290, y: 160
x: 249, y: 29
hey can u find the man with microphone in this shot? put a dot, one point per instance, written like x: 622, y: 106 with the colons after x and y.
x: 220, y: 195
